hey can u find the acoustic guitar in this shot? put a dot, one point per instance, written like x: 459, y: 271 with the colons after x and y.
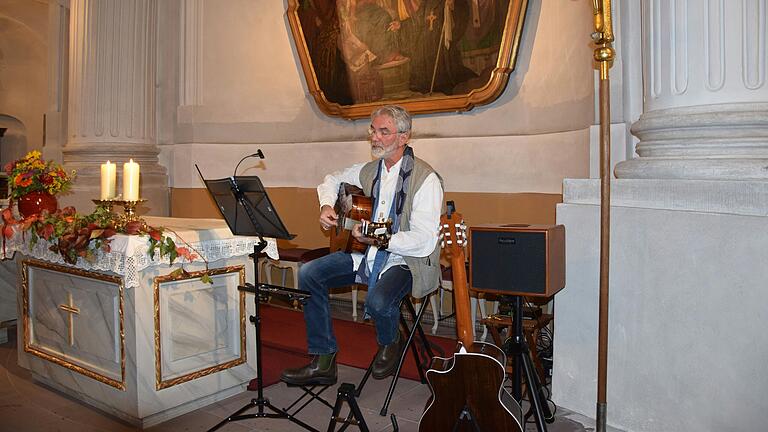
x: 467, y: 389
x: 353, y: 207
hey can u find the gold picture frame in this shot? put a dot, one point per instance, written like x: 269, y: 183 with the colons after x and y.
x: 357, y: 55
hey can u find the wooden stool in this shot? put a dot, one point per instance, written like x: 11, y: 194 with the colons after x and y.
x: 531, y: 329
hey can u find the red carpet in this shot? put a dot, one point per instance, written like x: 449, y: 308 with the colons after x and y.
x: 284, y: 343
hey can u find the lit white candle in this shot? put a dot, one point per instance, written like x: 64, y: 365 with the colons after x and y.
x: 131, y: 181
x: 108, y: 180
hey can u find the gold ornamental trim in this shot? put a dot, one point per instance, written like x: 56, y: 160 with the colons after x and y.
x: 59, y: 360
x: 163, y: 384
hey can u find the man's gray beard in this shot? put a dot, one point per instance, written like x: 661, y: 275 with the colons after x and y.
x: 378, y: 152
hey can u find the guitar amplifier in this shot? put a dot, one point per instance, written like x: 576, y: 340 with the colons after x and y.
x: 517, y: 259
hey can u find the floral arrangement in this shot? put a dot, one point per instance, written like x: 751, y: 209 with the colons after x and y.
x: 32, y: 174
x: 75, y: 236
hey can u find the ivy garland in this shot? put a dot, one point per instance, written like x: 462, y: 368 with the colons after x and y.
x: 73, y: 235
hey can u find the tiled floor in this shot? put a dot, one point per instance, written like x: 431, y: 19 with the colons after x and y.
x: 28, y: 406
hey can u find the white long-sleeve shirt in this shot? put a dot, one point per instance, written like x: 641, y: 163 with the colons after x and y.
x: 421, y: 239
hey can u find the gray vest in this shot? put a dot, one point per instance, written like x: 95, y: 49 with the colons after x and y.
x: 425, y: 270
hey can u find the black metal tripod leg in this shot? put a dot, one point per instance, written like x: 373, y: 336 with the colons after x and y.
x: 517, y: 370
x: 422, y: 336
x: 542, y: 397
x: 358, y: 415
x: 346, y: 393
x: 335, y: 414
x: 233, y: 415
x: 396, y: 376
x: 534, y: 391
x: 408, y: 343
x: 310, y: 396
x: 367, y: 375
x: 282, y: 414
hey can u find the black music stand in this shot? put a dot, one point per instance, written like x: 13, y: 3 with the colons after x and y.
x: 245, y: 206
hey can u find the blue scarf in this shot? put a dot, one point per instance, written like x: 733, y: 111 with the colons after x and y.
x: 364, y: 275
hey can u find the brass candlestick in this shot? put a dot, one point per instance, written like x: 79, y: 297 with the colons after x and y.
x: 105, y: 203
x: 129, y: 212
x: 129, y: 209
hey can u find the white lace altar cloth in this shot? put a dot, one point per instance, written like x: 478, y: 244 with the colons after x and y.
x: 211, y: 238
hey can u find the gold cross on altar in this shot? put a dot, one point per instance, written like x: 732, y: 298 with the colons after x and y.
x: 70, y: 307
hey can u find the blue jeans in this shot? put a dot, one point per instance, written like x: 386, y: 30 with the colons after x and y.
x: 336, y: 270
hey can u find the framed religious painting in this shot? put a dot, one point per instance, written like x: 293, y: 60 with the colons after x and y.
x: 426, y: 55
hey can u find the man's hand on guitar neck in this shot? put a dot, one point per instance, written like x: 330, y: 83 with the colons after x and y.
x: 357, y: 233
x: 328, y: 217
x: 377, y: 234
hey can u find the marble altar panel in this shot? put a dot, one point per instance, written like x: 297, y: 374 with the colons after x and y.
x: 188, y: 383
x: 74, y: 318
x: 200, y: 327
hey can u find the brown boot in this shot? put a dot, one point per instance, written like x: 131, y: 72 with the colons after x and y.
x: 311, y: 374
x: 387, y: 358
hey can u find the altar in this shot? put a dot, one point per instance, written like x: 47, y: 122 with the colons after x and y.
x: 125, y: 335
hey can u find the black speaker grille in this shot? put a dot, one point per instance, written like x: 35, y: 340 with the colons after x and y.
x: 509, y: 261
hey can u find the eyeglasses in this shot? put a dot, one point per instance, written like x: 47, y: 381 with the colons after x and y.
x: 382, y: 133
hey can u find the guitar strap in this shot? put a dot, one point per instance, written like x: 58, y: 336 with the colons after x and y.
x: 370, y: 276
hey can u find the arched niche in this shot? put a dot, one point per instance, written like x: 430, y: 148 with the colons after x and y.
x: 23, y: 79
x: 13, y: 142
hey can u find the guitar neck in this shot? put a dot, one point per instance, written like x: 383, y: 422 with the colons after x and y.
x: 464, y: 323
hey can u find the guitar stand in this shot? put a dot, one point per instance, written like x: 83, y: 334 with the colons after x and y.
x: 466, y: 416
x: 518, y: 348
x: 260, y: 402
x: 346, y: 394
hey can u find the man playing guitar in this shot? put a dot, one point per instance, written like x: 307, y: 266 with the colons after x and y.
x: 404, y: 189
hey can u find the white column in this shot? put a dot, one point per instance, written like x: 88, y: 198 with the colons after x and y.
x: 58, y: 53
x: 112, y: 96
x: 705, y: 92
